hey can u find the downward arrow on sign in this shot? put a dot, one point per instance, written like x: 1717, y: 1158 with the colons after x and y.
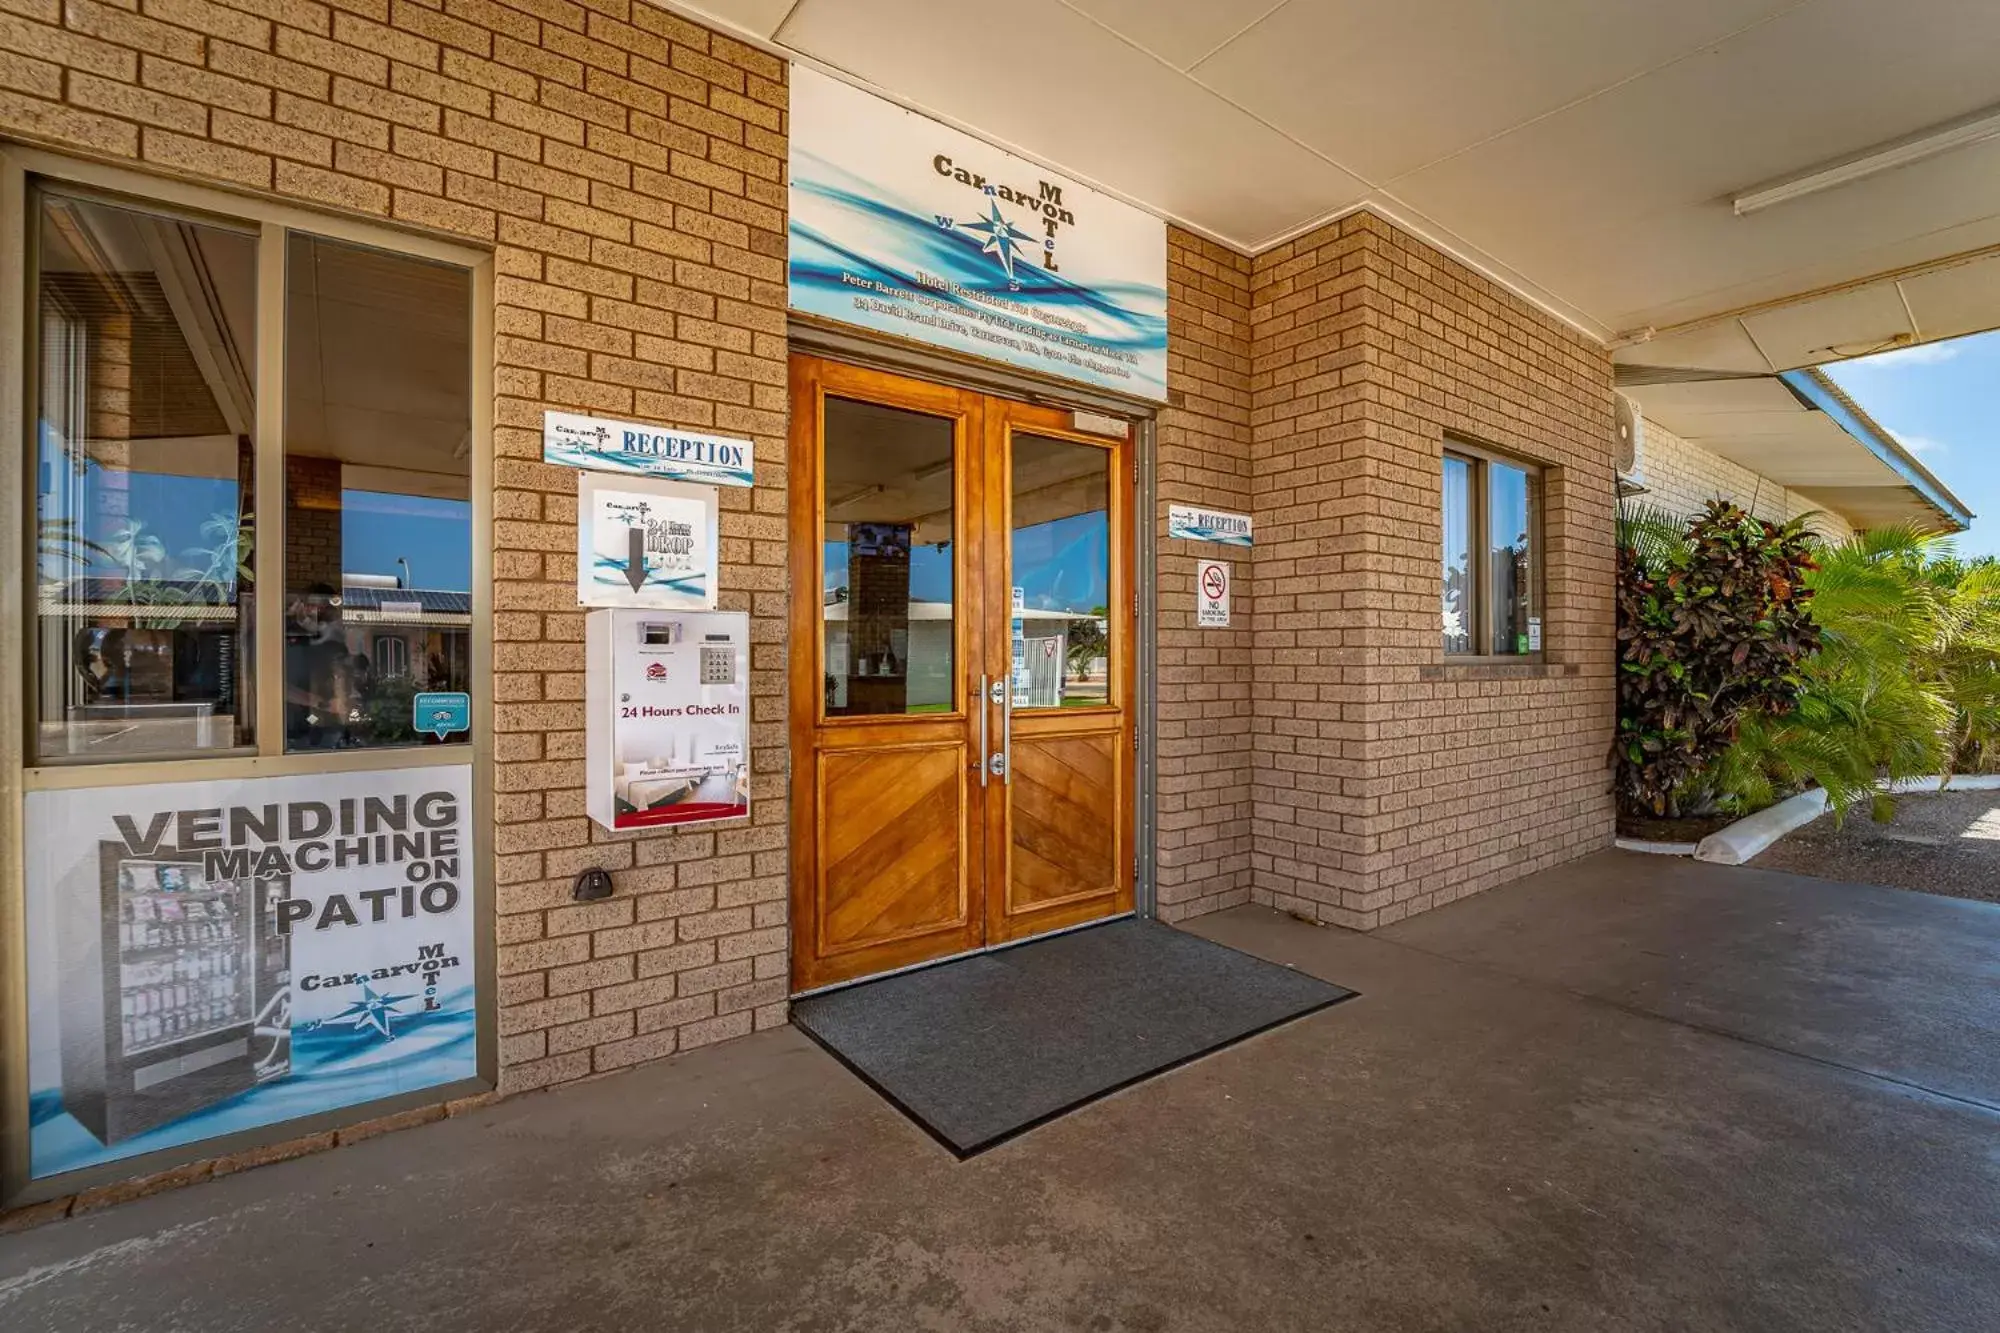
x: 635, y: 558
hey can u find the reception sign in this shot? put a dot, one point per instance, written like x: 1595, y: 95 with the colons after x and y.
x: 569, y: 440
x: 909, y: 227
x: 1189, y: 523
x: 212, y: 957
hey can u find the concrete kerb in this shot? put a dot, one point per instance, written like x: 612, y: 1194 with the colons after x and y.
x: 1737, y: 844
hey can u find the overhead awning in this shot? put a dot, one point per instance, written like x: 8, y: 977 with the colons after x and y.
x: 1800, y: 430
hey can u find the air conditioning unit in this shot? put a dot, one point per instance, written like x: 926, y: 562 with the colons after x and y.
x: 1628, y: 445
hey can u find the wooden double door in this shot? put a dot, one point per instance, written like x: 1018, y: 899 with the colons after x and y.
x: 961, y: 672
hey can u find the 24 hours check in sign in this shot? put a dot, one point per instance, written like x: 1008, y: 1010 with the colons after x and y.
x: 908, y: 227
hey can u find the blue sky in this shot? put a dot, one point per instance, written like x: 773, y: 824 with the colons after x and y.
x: 1940, y: 400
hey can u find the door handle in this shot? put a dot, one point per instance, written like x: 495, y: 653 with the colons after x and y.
x: 997, y: 694
x: 1006, y: 755
x: 984, y: 689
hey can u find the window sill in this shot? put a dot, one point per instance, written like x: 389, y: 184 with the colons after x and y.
x: 1497, y: 668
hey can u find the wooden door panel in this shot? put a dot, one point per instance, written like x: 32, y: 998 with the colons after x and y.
x: 1065, y: 797
x: 893, y: 861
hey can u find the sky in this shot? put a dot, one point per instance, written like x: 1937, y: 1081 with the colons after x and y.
x: 1940, y: 401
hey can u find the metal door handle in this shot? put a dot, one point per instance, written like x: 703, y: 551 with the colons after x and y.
x: 984, y: 689
x: 1007, y: 732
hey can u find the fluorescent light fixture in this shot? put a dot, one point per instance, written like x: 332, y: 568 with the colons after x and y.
x: 1958, y: 134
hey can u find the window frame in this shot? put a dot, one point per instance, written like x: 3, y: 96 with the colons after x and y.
x: 22, y: 170
x: 26, y: 176
x: 1480, y: 461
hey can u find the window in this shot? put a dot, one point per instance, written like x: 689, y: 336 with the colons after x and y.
x: 1060, y: 558
x: 144, y: 482
x: 1492, y: 577
x: 158, y: 423
x: 378, y: 491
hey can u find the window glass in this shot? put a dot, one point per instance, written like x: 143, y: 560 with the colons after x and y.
x: 886, y: 596
x: 1510, y: 520
x: 143, y: 483
x: 1061, y: 563
x: 378, y: 483
x: 1459, y: 593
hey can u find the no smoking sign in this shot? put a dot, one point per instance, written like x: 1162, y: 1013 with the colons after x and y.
x: 1211, y: 594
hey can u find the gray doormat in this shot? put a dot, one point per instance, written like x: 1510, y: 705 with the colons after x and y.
x: 983, y: 1048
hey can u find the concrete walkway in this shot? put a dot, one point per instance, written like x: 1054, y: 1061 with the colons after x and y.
x: 1631, y: 1094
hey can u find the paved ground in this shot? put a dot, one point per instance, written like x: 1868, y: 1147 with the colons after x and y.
x: 1942, y: 842
x: 1633, y: 1094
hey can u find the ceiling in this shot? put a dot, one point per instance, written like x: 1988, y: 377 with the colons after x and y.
x: 1584, y: 152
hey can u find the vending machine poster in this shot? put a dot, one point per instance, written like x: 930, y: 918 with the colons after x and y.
x: 213, y: 957
x: 645, y: 543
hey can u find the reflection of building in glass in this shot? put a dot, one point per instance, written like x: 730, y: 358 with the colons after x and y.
x: 923, y: 641
x: 356, y: 662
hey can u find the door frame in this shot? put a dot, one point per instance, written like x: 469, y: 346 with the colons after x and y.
x: 830, y: 341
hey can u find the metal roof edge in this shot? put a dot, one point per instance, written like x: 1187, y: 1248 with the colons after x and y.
x: 1816, y: 390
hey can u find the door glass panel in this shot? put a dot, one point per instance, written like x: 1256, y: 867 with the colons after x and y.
x: 143, y: 491
x: 1061, y: 573
x: 886, y: 598
x: 378, y: 493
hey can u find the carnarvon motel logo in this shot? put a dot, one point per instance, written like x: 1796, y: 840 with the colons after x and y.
x: 1000, y: 235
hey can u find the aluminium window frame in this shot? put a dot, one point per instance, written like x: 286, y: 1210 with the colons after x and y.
x: 24, y: 172
x: 1481, y: 461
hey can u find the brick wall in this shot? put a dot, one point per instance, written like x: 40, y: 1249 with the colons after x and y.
x: 1387, y: 782
x: 1683, y: 477
x: 312, y: 524
x: 627, y: 168
x: 1203, y: 457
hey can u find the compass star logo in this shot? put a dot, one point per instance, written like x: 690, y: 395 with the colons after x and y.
x: 371, y: 1011
x: 1000, y: 237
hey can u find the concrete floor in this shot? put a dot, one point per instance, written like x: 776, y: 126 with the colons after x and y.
x: 1631, y: 1094
x: 1938, y: 842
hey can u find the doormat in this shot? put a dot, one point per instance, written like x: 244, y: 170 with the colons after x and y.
x: 984, y: 1048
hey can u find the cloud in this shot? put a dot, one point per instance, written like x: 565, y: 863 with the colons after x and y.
x: 1924, y: 354
x: 1922, y: 445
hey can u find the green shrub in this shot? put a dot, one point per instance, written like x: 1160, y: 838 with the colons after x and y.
x: 1906, y: 682
x: 1712, y: 627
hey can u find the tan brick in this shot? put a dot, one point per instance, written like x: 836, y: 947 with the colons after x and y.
x: 206, y: 158
x: 320, y: 118
x: 328, y: 187
x: 147, y: 107
x: 70, y: 49
x: 272, y: 71
x: 133, y: 31
x: 386, y: 104
x: 214, y: 20
x: 331, y: 56
x: 37, y: 78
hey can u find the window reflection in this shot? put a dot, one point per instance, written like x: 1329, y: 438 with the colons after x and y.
x: 145, y: 408
x: 378, y: 477
x: 888, y: 553
x: 1061, y: 562
x: 1458, y: 589
x: 1509, y: 521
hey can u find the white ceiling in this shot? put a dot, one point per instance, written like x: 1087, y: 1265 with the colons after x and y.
x: 1586, y: 152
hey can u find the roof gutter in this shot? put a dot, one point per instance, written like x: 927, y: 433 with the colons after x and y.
x: 1812, y: 387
